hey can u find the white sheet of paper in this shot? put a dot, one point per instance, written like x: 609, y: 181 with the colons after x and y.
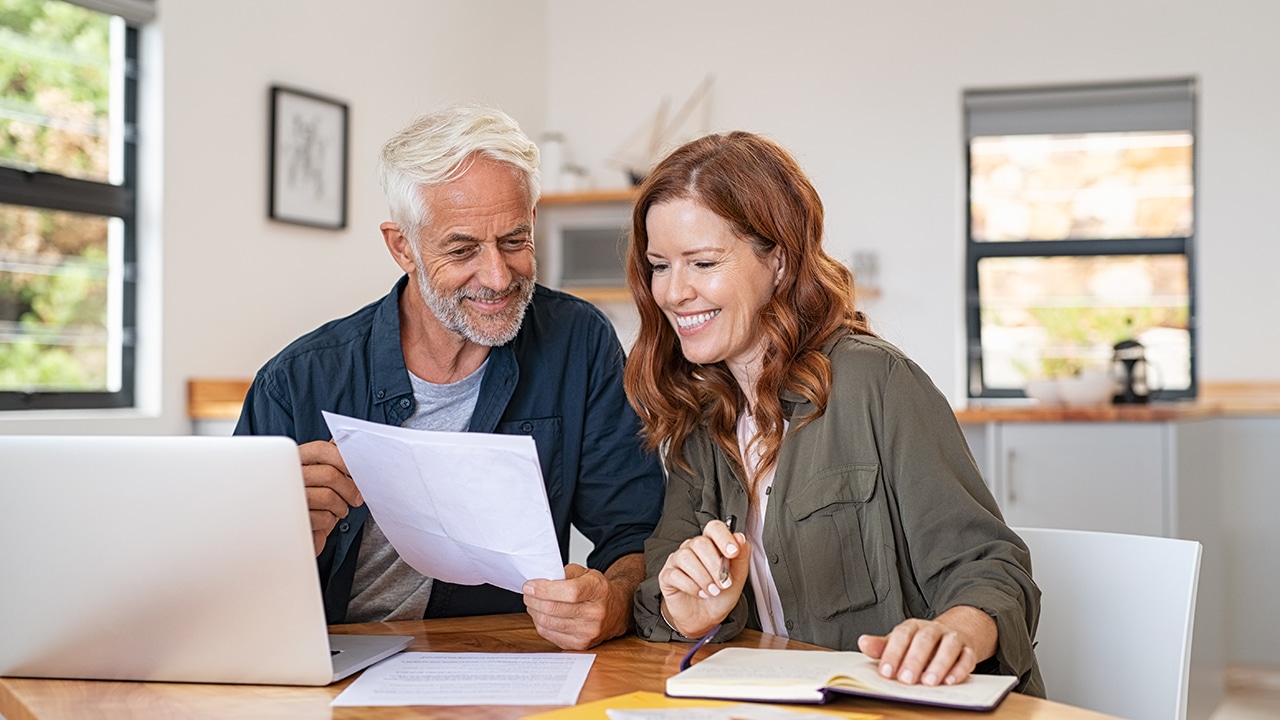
x: 466, y: 508
x: 427, y: 678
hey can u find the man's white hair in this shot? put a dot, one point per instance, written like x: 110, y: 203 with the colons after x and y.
x: 439, y: 147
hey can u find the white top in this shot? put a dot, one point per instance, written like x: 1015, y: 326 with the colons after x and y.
x: 768, y: 605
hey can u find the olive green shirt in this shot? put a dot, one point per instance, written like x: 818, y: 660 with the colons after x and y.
x: 877, y: 514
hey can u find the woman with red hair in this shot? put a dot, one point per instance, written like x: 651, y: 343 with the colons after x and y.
x: 865, y: 522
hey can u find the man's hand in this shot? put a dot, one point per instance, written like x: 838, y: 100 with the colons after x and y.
x: 330, y: 490
x: 587, y: 607
x: 934, y: 652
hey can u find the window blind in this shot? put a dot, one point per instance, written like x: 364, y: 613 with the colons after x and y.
x: 135, y: 12
x: 1166, y: 105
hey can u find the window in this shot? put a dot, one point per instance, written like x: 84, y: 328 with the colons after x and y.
x: 1081, y: 220
x: 68, y: 218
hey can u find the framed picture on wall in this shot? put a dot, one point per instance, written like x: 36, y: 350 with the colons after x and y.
x: 308, y: 182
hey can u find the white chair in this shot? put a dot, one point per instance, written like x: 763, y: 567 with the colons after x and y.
x: 1116, y: 619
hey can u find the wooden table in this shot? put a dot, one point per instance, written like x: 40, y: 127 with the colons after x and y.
x: 621, y: 666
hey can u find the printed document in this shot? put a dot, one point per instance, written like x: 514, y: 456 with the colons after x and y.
x: 430, y: 678
x: 466, y: 508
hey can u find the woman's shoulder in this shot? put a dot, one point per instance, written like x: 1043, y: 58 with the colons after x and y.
x: 865, y: 365
x: 862, y: 350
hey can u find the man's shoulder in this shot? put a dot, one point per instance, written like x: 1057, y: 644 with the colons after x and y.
x: 556, y: 313
x: 558, y: 302
x: 563, y: 334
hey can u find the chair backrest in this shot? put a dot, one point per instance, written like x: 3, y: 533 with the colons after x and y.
x: 1116, y: 620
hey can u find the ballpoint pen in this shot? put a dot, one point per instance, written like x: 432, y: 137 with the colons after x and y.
x: 730, y: 521
x: 687, y: 660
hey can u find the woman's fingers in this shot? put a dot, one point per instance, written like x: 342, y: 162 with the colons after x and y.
x: 922, y: 651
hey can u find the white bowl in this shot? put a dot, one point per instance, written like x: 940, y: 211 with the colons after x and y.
x: 1043, y: 391
x: 1085, y: 390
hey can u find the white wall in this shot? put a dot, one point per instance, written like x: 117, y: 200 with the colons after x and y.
x: 228, y: 287
x: 867, y: 95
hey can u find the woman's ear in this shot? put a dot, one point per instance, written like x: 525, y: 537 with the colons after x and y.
x: 780, y: 257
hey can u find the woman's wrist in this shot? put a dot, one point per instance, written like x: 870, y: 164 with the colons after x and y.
x: 662, y: 612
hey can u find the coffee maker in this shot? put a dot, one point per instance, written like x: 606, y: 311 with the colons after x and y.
x: 1129, y: 367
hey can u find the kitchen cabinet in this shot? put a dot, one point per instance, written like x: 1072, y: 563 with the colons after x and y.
x: 1146, y: 478
x: 1157, y: 477
x: 1086, y: 476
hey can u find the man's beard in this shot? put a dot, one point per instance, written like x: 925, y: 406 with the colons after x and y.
x: 492, y: 330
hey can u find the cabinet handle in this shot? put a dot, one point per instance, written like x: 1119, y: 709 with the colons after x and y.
x: 1010, y: 494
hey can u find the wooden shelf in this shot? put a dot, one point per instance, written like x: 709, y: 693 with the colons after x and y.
x: 589, y: 197
x: 215, y: 399
x: 600, y: 294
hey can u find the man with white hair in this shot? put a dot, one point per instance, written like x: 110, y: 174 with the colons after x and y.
x: 467, y: 341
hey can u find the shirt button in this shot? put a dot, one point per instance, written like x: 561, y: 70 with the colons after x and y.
x: 526, y: 427
x: 382, y: 394
x: 791, y: 624
x: 404, y: 403
x: 344, y: 526
x: 774, y: 558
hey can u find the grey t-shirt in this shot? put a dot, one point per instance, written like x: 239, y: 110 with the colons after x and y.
x: 385, y: 587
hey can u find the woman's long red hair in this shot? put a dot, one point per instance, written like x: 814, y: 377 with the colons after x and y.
x: 761, y: 192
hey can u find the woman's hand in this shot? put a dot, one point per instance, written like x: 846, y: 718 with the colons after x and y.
x: 932, y: 652
x: 702, y: 580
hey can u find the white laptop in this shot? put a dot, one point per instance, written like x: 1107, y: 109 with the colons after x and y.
x: 173, y: 558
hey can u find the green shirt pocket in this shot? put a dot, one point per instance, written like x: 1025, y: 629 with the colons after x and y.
x: 833, y: 577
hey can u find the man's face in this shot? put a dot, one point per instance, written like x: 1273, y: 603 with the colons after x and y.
x: 474, y: 256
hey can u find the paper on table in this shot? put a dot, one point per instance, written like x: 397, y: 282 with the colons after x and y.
x: 427, y: 678
x: 466, y: 508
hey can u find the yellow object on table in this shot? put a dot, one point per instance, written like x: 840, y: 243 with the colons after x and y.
x: 644, y: 700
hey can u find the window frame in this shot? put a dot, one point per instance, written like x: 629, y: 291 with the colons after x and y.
x: 978, y: 250
x: 52, y: 191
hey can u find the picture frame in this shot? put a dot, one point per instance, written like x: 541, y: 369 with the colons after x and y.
x: 307, y: 183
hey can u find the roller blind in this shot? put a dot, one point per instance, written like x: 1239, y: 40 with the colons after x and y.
x: 1124, y: 107
x: 135, y: 12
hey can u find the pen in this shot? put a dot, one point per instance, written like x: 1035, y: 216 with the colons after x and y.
x: 729, y: 520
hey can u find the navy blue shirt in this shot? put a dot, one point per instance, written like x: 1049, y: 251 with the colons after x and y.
x: 559, y: 380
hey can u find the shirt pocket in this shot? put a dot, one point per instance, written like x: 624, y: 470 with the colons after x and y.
x: 546, y: 437
x: 834, y: 576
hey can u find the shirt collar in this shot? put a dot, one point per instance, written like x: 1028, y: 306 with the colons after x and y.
x: 390, y: 376
x: 793, y: 402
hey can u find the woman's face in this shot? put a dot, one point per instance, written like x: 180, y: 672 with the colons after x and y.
x: 711, y: 285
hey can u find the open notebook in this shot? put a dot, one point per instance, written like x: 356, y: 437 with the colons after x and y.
x: 164, y: 558
x: 811, y: 676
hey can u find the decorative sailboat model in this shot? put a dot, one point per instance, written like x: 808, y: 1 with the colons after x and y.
x: 642, y: 149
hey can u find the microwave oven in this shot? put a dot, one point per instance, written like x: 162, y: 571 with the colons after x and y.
x: 583, y: 245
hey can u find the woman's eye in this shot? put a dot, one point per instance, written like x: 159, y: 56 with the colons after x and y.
x: 704, y: 264
x: 658, y: 267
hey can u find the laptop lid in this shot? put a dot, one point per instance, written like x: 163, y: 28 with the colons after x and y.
x: 163, y: 558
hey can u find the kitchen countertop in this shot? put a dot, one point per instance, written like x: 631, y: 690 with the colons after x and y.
x: 1216, y: 399
x: 220, y: 400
